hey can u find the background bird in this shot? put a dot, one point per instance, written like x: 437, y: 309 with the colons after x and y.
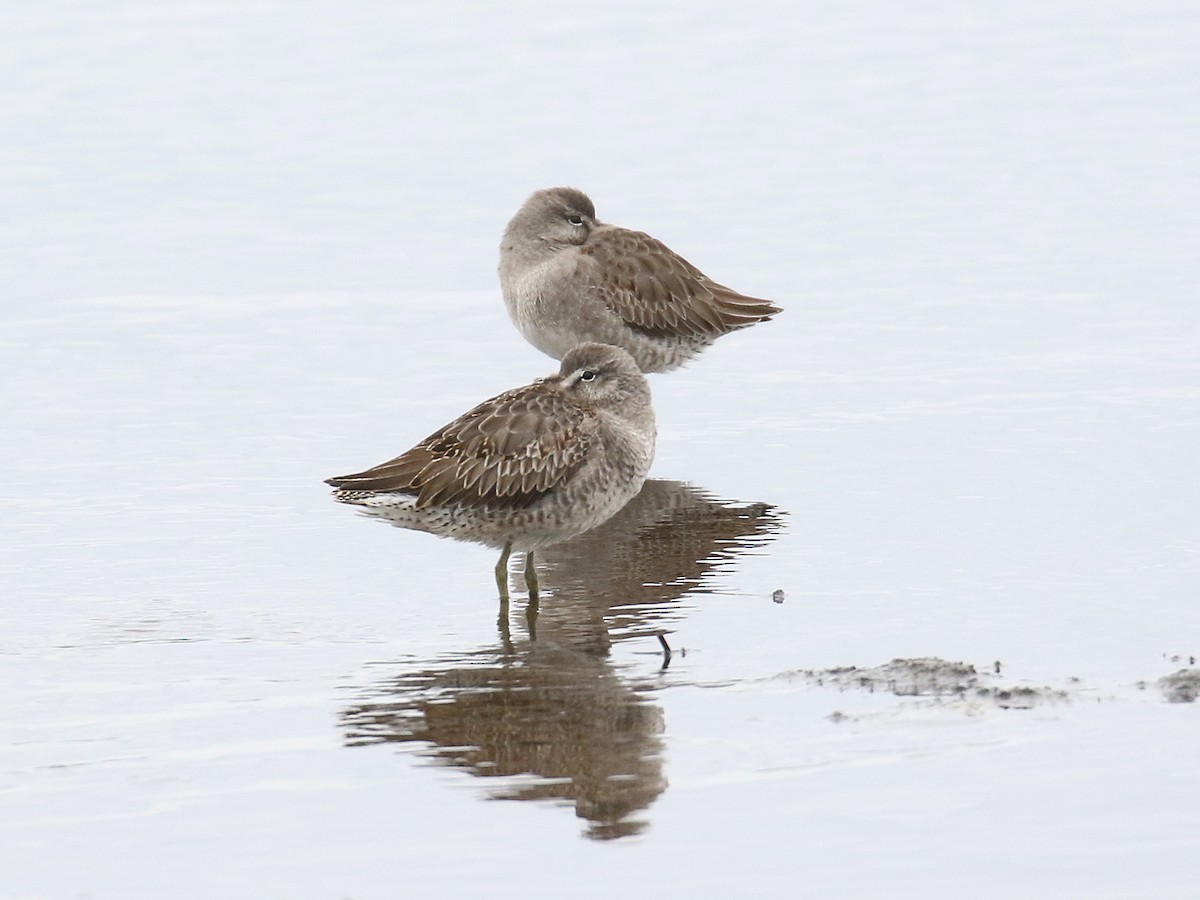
x: 568, y: 277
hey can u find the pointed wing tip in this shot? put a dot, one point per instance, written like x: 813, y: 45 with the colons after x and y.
x: 348, y: 488
x: 764, y: 309
x: 744, y: 311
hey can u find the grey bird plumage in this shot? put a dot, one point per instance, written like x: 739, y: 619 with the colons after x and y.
x: 528, y: 468
x: 568, y: 277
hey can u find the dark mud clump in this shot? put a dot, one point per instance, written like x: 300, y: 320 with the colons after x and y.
x: 1181, y: 687
x: 920, y: 677
x: 930, y: 677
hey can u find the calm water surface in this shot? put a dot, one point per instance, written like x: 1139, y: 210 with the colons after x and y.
x: 245, y: 248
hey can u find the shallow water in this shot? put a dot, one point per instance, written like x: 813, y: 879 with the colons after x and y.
x: 923, y: 547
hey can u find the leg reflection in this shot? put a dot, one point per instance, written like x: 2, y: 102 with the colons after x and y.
x: 505, y: 630
x: 531, y: 616
x: 666, y: 651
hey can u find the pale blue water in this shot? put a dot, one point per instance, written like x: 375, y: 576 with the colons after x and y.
x: 244, y: 248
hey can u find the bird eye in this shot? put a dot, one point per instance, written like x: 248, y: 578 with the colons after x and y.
x: 575, y: 220
x: 587, y: 375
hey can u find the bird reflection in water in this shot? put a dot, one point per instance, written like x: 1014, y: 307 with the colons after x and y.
x: 547, y: 713
x: 619, y: 580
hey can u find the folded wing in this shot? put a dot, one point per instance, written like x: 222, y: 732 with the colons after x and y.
x: 657, y: 291
x: 507, y: 451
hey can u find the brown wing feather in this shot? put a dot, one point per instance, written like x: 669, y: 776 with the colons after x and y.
x: 659, y: 292
x: 508, y: 450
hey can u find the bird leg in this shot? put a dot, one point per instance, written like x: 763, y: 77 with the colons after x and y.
x: 502, y: 585
x: 502, y: 573
x: 531, y: 579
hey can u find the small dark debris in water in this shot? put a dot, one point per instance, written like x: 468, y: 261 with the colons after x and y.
x: 778, y: 596
x: 1182, y: 686
x: 837, y: 717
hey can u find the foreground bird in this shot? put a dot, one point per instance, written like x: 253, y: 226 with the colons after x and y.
x: 567, y: 277
x: 531, y: 467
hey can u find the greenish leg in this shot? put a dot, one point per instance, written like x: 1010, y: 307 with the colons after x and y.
x: 502, y: 586
x: 502, y: 573
x: 531, y: 581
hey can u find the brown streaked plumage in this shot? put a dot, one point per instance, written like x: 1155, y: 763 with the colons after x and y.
x: 568, y: 277
x: 507, y: 452
x: 531, y: 467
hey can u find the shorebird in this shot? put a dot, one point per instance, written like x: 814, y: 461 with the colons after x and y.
x: 568, y: 277
x: 531, y: 467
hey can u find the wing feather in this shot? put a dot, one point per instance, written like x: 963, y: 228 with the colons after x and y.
x: 657, y: 291
x: 509, y: 450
